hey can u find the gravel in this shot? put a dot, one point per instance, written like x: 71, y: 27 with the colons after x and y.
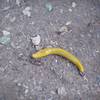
x: 27, y: 26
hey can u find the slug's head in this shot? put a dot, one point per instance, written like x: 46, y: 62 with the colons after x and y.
x: 40, y: 54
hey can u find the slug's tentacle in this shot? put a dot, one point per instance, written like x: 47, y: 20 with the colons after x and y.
x: 60, y: 52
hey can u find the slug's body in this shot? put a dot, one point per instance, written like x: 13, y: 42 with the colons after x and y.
x: 60, y: 52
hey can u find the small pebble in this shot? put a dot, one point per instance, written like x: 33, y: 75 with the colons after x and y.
x: 68, y: 23
x: 36, y: 40
x: 91, y: 30
x: 49, y: 7
x: 61, y: 11
x: 13, y: 19
x: 97, y: 51
x: 18, y: 2
x: 53, y: 43
x: 63, y: 29
x: 25, y: 86
x: 68, y: 64
x: 71, y: 48
x: 32, y: 23
x: 61, y: 91
x: 19, y: 84
x: 51, y: 24
x: 4, y: 40
x: 78, y: 92
x: 56, y: 60
x: 82, y: 35
x: 73, y: 4
x: 27, y: 12
x: 70, y: 10
x: 26, y: 91
x: 38, y: 47
x: 5, y: 33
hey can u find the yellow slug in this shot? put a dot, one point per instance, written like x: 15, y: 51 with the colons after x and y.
x: 60, y: 52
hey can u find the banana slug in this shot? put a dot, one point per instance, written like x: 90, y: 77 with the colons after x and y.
x: 61, y: 52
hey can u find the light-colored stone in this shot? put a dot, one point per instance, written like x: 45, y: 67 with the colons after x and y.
x: 62, y: 91
x: 74, y: 4
x: 70, y: 10
x: 5, y: 33
x: 18, y: 2
x: 36, y: 40
x: 27, y: 12
x: 63, y: 29
x: 26, y: 91
x: 68, y: 23
x: 12, y: 19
